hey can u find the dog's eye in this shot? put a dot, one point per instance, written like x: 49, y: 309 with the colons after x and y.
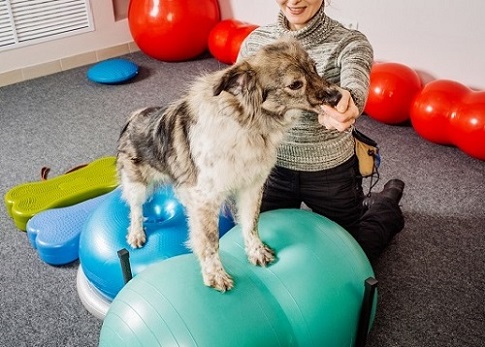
x: 296, y: 85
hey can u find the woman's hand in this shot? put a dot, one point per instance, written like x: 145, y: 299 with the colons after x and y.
x: 342, y: 116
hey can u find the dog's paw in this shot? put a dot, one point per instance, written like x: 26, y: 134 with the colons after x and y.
x: 261, y: 255
x: 136, y: 239
x: 220, y: 281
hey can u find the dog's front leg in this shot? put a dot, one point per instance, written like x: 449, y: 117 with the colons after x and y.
x: 248, y: 205
x: 204, y: 242
x: 135, y: 194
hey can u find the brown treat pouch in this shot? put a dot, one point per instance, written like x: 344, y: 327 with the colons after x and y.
x: 367, y: 153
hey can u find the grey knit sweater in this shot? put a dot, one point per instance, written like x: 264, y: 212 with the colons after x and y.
x: 343, y: 57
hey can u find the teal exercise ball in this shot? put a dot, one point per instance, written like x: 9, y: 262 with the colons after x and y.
x: 310, y: 296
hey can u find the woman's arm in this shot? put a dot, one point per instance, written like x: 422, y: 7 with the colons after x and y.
x: 355, y: 63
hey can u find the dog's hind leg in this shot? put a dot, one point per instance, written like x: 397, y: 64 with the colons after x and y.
x: 204, y: 241
x: 248, y: 205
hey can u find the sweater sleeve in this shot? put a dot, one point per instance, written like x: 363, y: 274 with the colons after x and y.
x: 244, y: 51
x: 355, y: 65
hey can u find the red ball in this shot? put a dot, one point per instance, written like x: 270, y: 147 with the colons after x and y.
x: 449, y: 113
x: 467, y: 125
x: 172, y: 30
x: 226, y: 37
x: 433, y: 107
x: 219, y: 38
x: 393, y: 88
x: 238, y: 36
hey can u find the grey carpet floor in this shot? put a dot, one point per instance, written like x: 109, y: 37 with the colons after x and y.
x: 431, y: 278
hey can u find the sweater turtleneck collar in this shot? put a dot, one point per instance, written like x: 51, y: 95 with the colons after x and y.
x: 316, y: 29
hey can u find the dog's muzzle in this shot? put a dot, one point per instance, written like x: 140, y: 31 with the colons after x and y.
x: 330, y: 96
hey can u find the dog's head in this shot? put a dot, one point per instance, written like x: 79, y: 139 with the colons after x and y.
x: 279, y: 79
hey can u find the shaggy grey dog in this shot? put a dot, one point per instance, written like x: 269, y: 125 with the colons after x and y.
x: 218, y: 142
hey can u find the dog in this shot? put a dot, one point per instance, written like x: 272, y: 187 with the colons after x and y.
x: 219, y: 142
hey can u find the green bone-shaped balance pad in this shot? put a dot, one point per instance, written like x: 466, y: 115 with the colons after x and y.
x: 26, y: 200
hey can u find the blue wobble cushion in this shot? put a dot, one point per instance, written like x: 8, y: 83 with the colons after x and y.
x: 105, y: 232
x: 112, y: 71
x: 55, y: 233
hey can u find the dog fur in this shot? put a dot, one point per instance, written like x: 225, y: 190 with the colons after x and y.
x: 218, y: 142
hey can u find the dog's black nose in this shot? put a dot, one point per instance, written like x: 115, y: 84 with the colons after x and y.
x: 330, y: 96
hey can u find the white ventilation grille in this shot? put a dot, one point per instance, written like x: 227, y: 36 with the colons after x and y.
x: 24, y: 22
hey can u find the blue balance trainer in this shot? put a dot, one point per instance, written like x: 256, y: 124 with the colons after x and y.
x: 105, y: 234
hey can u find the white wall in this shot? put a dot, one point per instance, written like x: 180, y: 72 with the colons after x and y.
x: 441, y: 39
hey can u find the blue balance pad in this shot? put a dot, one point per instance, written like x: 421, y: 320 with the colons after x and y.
x: 55, y: 233
x: 112, y: 71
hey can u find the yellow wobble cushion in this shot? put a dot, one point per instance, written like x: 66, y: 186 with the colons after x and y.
x: 26, y: 200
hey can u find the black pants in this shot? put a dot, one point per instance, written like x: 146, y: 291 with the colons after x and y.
x: 336, y: 194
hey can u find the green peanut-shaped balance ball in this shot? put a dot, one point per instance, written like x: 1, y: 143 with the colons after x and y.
x: 310, y: 296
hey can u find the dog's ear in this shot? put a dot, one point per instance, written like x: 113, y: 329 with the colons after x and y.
x: 236, y: 80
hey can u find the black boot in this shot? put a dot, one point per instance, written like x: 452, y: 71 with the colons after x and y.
x: 392, y: 190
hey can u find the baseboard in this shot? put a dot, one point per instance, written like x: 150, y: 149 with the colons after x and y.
x: 44, y: 69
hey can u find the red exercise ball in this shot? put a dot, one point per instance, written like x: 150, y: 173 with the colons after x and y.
x: 449, y: 113
x: 393, y: 87
x: 467, y: 125
x: 239, y: 35
x: 433, y: 107
x: 172, y: 30
x: 219, y: 37
x: 226, y: 37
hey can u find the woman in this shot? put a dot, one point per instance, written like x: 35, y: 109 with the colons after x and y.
x: 316, y: 164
